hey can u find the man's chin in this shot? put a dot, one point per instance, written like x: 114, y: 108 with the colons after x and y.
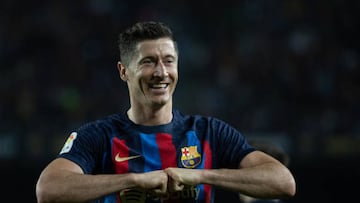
x: 159, y: 102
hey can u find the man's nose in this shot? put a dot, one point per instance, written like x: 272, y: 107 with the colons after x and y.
x: 160, y: 70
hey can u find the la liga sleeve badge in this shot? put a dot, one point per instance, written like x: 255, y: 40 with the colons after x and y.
x: 69, y: 143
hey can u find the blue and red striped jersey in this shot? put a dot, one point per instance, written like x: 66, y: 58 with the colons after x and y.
x: 116, y: 145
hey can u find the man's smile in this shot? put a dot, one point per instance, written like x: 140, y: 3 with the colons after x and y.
x: 159, y: 85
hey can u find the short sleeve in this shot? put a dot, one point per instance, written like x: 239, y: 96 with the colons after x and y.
x: 232, y: 146
x: 84, y: 147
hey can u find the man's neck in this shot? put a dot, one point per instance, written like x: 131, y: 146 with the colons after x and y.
x: 151, y: 116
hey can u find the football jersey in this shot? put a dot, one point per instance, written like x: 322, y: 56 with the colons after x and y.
x: 116, y: 145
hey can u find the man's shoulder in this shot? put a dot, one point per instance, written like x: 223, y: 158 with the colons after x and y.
x: 107, y: 121
x: 197, y: 117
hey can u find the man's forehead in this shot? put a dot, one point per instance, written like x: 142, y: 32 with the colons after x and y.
x: 162, y: 45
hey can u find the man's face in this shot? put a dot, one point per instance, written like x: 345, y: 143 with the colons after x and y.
x: 152, y: 75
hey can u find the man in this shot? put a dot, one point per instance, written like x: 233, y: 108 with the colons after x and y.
x: 152, y: 152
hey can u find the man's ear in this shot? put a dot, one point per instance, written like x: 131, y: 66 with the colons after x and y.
x: 122, y: 71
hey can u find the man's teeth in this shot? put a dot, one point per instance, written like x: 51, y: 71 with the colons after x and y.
x: 159, y: 85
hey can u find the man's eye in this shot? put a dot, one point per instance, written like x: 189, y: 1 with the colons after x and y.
x: 169, y: 61
x: 147, y: 62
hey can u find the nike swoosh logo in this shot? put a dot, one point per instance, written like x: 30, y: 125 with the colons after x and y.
x: 121, y: 159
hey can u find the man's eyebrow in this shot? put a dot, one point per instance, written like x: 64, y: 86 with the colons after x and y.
x: 148, y: 57
x: 170, y: 55
x: 155, y: 57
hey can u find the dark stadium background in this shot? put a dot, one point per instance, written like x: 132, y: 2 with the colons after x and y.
x: 283, y: 71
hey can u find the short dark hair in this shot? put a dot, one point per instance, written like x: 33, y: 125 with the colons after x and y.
x: 131, y: 36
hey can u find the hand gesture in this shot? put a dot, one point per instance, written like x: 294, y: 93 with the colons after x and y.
x: 155, y: 182
x: 181, y: 177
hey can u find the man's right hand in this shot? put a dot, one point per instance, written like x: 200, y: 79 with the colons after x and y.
x: 154, y: 182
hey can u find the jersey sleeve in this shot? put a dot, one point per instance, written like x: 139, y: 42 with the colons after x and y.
x: 232, y: 146
x: 84, y: 147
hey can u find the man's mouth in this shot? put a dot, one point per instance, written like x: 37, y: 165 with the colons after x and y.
x: 159, y: 86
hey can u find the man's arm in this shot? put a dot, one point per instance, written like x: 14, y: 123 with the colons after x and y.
x: 259, y: 175
x: 64, y: 181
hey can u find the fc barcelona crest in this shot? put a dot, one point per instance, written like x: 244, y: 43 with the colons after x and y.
x: 190, y: 157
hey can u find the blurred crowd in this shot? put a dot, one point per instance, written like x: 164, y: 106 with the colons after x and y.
x: 285, y: 68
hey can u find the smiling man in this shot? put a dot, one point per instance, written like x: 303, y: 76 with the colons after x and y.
x: 151, y: 77
x: 152, y: 152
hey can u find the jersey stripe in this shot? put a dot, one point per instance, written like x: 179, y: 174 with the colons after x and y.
x: 167, y: 150
x: 207, y: 165
x: 192, y: 140
x: 150, y: 152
